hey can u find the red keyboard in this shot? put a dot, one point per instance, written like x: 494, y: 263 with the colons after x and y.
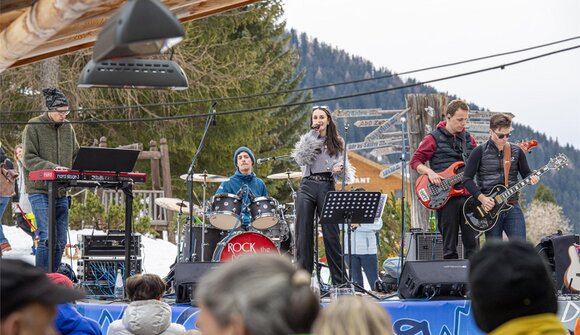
x: 88, y: 176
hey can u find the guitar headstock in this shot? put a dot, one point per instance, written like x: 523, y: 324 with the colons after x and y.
x: 527, y: 145
x: 557, y: 162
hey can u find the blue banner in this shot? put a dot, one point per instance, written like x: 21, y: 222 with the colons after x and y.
x: 451, y: 317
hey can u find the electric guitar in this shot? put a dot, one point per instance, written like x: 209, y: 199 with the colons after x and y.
x: 572, y: 275
x: 434, y: 197
x: 481, y: 220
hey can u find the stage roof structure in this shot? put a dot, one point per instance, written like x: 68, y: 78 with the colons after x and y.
x: 33, y: 30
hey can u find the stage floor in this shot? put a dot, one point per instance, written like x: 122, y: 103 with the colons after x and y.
x: 409, y: 317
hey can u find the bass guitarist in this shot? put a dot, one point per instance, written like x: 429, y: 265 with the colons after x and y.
x: 449, y: 143
x: 489, y: 163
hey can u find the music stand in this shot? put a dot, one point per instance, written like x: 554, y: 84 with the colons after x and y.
x: 348, y: 207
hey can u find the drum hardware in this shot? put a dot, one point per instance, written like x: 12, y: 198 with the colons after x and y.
x: 204, y: 178
x: 176, y: 205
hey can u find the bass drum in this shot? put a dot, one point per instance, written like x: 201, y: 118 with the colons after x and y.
x: 211, y: 237
x: 243, y: 243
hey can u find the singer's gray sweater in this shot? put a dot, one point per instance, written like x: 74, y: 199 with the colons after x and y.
x: 310, y: 153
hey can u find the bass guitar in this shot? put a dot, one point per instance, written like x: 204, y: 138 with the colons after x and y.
x: 434, y: 197
x: 481, y: 220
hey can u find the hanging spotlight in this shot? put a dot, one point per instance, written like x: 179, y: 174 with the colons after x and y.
x: 133, y: 73
x: 139, y: 28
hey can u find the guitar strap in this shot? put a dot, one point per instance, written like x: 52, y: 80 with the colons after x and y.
x: 464, y: 153
x: 507, y: 158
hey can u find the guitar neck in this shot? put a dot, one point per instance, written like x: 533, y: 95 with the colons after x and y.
x: 454, y: 180
x: 520, y: 185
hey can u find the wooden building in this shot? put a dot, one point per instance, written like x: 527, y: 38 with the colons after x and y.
x: 368, y: 176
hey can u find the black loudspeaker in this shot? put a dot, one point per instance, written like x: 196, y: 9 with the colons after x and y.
x: 554, y: 248
x: 187, y: 276
x: 435, y: 280
x: 428, y: 246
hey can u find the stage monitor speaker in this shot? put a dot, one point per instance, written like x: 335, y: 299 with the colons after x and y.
x: 434, y: 280
x: 187, y: 276
x: 555, y: 250
x: 424, y: 246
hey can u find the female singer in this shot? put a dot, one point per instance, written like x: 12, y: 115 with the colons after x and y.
x: 320, y: 155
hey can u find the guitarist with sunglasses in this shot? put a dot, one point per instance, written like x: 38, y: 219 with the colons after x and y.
x: 499, y: 162
x: 448, y: 144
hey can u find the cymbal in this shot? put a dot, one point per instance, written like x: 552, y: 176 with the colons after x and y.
x: 174, y: 204
x: 286, y: 175
x: 210, y: 178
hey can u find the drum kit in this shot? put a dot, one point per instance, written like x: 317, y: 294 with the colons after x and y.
x: 223, y: 238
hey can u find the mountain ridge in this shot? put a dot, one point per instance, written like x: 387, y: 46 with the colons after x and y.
x: 323, y: 63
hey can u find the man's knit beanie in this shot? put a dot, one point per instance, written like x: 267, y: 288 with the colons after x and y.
x: 509, y: 280
x: 53, y: 97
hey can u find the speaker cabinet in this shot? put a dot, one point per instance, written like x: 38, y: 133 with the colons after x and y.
x: 428, y: 246
x: 187, y: 276
x: 434, y: 280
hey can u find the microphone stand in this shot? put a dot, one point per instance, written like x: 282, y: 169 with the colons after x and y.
x: 344, y: 276
x: 403, y: 182
x: 189, y: 181
x: 273, y: 158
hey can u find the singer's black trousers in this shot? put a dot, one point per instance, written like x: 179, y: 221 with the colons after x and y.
x: 310, y: 198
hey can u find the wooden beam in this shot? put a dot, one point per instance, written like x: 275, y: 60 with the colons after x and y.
x: 59, y: 37
x: 36, y: 25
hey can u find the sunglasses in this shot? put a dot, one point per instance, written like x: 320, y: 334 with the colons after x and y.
x: 324, y: 108
x: 501, y: 136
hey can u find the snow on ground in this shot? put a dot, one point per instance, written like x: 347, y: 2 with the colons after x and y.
x: 157, y: 254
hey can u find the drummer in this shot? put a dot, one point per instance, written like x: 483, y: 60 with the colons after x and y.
x: 244, y: 182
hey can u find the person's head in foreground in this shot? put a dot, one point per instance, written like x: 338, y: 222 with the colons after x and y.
x: 511, y: 290
x: 144, y: 287
x: 29, y: 299
x: 353, y: 315
x: 262, y: 294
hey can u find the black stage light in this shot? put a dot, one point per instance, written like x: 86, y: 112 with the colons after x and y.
x: 133, y: 73
x: 139, y: 28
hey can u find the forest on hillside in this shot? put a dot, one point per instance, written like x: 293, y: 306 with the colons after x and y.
x: 323, y: 64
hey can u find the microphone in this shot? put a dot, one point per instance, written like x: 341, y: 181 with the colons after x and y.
x: 264, y: 160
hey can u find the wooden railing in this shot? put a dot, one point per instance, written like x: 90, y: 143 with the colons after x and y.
x: 157, y: 214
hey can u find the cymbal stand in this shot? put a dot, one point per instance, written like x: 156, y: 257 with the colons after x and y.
x: 204, y: 210
x: 292, y: 228
x: 178, y: 241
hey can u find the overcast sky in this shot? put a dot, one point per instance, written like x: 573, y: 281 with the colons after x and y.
x: 410, y: 34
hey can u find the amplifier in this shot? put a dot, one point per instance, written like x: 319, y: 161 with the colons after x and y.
x: 97, y: 275
x: 428, y: 246
x: 112, y: 244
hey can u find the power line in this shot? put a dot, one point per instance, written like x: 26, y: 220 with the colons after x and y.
x: 355, y: 81
x: 255, y: 109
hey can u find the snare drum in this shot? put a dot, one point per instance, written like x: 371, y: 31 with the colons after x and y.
x: 242, y: 243
x: 225, y: 211
x: 263, y: 212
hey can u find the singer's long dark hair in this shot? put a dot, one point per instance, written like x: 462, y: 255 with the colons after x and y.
x: 334, y: 143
